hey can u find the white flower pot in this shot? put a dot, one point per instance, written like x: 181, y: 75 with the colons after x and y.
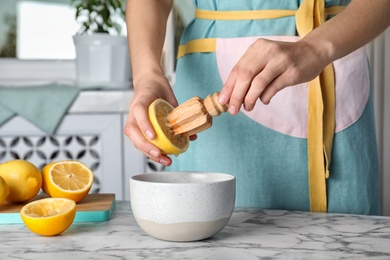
x: 102, y: 60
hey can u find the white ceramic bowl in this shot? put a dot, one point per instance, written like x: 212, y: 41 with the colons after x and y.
x: 182, y: 206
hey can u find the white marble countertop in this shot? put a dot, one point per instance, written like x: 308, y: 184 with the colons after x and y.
x: 250, y: 234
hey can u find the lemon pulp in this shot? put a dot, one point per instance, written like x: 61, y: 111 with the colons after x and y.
x: 166, y: 140
x: 50, y: 216
x: 67, y: 179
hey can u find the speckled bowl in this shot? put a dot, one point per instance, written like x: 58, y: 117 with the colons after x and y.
x: 182, y: 206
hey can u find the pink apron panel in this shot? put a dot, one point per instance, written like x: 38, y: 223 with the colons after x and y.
x: 287, y: 111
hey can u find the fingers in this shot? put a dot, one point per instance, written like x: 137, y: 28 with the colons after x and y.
x: 239, y: 81
x: 266, y: 68
x: 138, y: 129
x: 193, y: 137
x: 226, y: 91
x: 279, y: 83
x: 143, y: 145
x: 240, y: 90
x: 259, y: 86
x: 142, y: 119
x: 247, y: 84
x: 265, y: 84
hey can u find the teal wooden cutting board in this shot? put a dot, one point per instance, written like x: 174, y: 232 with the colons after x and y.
x: 93, y: 208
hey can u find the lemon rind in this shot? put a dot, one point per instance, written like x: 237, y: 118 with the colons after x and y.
x: 161, y: 138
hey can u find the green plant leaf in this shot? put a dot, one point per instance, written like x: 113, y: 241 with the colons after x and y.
x: 98, y: 15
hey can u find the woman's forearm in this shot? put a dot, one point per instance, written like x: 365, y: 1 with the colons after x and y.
x: 356, y: 26
x: 146, y: 26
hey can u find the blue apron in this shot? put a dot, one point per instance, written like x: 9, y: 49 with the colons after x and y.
x: 267, y: 150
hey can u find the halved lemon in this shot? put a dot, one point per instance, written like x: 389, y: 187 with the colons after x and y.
x: 168, y: 142
x: 67, y: 179
x: 50, y: 216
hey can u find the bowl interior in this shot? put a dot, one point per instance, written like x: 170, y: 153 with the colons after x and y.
x: 183, y: 177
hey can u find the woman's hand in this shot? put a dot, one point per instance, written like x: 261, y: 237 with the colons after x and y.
x: 268, y: 67
x: 146, y: 34
x: 138, y: 125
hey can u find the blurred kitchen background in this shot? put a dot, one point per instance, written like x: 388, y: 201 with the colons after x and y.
x: 37, y: 48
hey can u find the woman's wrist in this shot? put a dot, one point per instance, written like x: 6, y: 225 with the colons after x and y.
x: 147, y: 71
x: 150, y: 77
x: 322, y: 47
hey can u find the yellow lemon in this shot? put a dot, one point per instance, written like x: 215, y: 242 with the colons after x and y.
x: 165, y: 139
x: 23, y: 178
x: 50, y: 216
x: 4, y: 190
x: 67, y: 179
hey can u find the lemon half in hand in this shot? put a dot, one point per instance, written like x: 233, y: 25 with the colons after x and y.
x: 50, y: 216
x: 165, y: 139
x: 67, y: 179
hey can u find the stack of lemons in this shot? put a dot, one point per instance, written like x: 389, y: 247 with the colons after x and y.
x: 66, y: 182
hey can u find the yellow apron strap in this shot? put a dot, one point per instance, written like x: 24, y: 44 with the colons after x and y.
x: 243, y: 15
x: 208, y: 44
x: 257, y: 14
x: 199, y: 45
x: 321, y: 107
x: 333, y: 10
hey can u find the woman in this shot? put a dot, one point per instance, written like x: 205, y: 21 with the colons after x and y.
x: 305, y: 137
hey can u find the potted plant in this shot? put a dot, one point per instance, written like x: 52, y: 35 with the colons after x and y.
x: 102, y: 56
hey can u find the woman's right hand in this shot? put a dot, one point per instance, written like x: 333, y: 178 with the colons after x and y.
x: 138, y: 127
x: 146, y: 35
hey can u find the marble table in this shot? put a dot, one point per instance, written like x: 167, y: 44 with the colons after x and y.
x: 250, y: 234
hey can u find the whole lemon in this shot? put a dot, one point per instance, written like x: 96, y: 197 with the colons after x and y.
x: 23, y: 178
x: 4, y: 190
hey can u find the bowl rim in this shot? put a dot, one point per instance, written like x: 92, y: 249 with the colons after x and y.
x: 231, y: 178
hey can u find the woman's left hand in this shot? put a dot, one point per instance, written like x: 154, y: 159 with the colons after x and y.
x: 268, y: 67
